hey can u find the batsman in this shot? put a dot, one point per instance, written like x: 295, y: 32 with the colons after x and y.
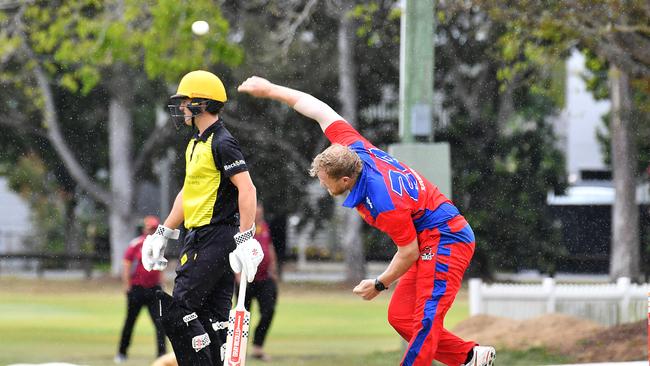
x: 434, y: 242
x: 217, y: 205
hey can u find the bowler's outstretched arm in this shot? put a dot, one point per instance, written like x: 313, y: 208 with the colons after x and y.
x: 303, y: 103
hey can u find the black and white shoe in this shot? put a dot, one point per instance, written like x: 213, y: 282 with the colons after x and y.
x: 483, y: 356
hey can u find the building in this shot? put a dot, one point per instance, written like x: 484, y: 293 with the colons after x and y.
x: 15, y: 224
x: 584, y: 212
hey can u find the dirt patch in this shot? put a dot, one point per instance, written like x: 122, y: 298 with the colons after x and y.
x: 627, y: 342
x: 578, y: 339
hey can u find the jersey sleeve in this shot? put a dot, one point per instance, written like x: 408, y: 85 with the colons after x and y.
x: 341, y: 132
x: 228, y: 157
x: 398, y: 224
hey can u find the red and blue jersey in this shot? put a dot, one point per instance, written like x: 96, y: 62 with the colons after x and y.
x: 388, y: 194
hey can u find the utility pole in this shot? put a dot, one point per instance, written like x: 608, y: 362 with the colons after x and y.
x: 431, y: 160
x: 416, y: 71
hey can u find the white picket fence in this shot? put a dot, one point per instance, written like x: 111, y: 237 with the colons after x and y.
x: 607, y: 304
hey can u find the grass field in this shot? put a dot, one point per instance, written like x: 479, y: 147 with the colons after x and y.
x: 79, y: 322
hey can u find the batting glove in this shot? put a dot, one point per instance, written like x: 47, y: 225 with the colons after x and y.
x: 248, y: 254
x: 153, y: 248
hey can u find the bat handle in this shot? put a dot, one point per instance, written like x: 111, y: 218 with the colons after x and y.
x: 243, y: 281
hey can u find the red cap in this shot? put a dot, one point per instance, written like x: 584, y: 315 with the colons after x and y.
x: 151, y: 222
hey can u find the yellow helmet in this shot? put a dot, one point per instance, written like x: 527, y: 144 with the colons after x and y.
x: 201, y: 84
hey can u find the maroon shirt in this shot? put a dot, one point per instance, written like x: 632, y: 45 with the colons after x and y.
x: 138, y: 276
x: 263, y: 235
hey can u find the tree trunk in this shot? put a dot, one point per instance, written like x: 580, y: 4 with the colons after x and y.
x: 73, y: 235
x: 625, y: 251
x: 55, y: 136
x: 304, y: 237
x: 121, y: 170
x: 350, y: 228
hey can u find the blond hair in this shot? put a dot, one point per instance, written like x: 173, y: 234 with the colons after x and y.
x: 337, y: 161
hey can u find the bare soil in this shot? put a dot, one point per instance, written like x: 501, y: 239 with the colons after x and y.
x: 578, y: 339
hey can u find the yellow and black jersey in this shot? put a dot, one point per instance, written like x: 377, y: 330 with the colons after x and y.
x: 209, y: 197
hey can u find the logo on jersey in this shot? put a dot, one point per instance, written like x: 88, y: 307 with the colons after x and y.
x: 234, y: 164
x: 426, y: 254
x: 189, y: 317
x: 369, y: 203
x: 200, y: 341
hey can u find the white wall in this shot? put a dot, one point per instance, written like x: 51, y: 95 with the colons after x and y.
x: 14, y: 219
x: 580, y: 120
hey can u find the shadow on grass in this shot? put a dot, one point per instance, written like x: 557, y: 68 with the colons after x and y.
x: 531, y: 357
x: 375, y: 358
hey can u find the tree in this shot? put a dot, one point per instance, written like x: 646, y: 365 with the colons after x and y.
x: 301, y: 37
x: 628, y: 120
x: 35, y: 184
x: 351, y: 229
x: 503, y: 155
x: 625, y: 255
x: 83, y: 45
x: 616, y: 31
x: 277, y: 44
x: 503, y: 147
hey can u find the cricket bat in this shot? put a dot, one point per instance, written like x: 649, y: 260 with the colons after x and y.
x: 238, y: 323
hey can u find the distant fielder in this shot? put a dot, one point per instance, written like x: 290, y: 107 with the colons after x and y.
x: 434, y: 242
x: 140, y: 286
x: 217, y: 206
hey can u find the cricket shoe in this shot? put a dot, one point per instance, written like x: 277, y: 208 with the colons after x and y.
x: 119, y: 358
x: 483, y: 356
